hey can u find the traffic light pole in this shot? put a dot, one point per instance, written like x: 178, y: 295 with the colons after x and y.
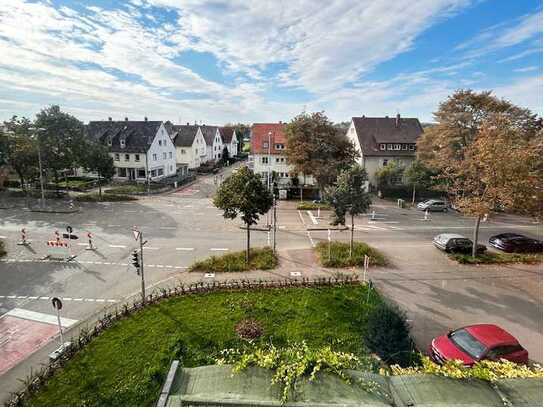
x: 141, y: 269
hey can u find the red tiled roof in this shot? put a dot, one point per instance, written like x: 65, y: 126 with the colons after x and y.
x: 259, y: 136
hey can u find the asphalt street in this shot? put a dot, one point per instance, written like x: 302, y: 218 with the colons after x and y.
x: 184, y: 226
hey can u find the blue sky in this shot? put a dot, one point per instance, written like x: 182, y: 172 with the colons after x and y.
x: 239, y: 61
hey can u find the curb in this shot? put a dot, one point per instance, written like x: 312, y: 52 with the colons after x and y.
x: 53, y: 210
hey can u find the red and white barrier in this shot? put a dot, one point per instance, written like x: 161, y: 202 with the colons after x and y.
x: 91, y: 244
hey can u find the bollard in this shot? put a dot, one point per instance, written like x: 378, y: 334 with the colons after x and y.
x: 91, y: 245
x: 57, y: 235
x: 373, y: 215
x: 426, y: 215
x: 24, y: 241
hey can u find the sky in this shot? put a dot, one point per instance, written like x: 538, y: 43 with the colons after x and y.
x: 233, y: 61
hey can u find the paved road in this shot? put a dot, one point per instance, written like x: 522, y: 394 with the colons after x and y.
x: 184, y: 226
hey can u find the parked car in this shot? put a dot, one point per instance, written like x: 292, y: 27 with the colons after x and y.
x: 453, y: 243
x: 433, y: 205
x: 515, y: 243
x: 477, y: 342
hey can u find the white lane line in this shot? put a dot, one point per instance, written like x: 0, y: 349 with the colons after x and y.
x: 384, y: 221
x: 150, y: 248
x: 301, y: 217
x: 181, y: 267
x: 78, y: 299
x: 40, y: 317
x: 219, y: 249
x: 313, y: 219
x: 117, y: 246
x: 188, y: 206
x: 100, y: 300
x: 67, y: 298
x: 89, y: 224
x: 113, y: 226
x: 167, y: 227
x: 3, y: 237
x: 130, y: 211
x: 82, y: 244
x: 376, y: 227
x: 185, y: 249
x: 311, y: 239
x: 282, y: 227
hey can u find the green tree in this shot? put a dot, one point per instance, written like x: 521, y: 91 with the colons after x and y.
x: 21, y: 152
x: 349, y: 196
x: 243, y: 194
x: 317, y: 148
x: 97, y: 159
x: 225, y: 155
x: 387, y: 175
x: 62, y: 140
x: 419, y: 176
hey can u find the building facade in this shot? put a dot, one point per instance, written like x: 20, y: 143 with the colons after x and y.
x: 190, y: 145
x: 213, y: 141
x: 381, y: 140
x: 230, y: 140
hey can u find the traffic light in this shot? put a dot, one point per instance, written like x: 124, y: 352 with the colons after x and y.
x: 136, y: 260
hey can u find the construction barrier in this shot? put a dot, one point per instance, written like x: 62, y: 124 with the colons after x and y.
x: 57, y: 249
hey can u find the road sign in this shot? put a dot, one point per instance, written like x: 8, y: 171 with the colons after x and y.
x: 57, y: 303
x: 136, y: 233
x: 69, y: 229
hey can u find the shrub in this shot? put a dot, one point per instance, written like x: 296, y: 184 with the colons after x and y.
x: 249, y: 329
x: 387, y: 334
x: 261, y: 259
x: 94, y: 197
x: 496, y: 258
x: 339, y: 255
x: 2, y: 249
x: 307, y: 205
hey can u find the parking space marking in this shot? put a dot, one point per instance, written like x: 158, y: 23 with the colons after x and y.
x: 150, y: 248
x: 313, y: 219
x: 301, y: 217
x: 117, y: 246
x: 184, y: 249
x: 3, y: 237
x: 311, y: 239
x: 219, y: 249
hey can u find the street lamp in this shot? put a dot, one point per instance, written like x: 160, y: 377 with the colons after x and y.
x: 269, y: 169
x: 36, y: 131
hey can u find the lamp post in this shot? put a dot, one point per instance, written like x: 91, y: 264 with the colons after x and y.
x: 36, y: 132
x: 269, y: 169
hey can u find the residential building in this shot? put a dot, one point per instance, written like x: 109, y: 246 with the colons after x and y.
x: 230, y: 140
x: 190, y: 145
x: 381, y: 140
x: 214, y: 143
x: 140, y: 149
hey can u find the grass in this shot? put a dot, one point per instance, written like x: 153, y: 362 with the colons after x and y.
x: 95, y: 197
x: 126, y: 365
x: 261, y: 259
x: 3, y: 251
x: 497, y: 258
x: 132, y: 189
x: 308, y: 205
x: 339, y: 255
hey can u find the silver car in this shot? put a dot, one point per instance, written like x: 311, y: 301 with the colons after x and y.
x: 454, y: 243
x: 433, y: 205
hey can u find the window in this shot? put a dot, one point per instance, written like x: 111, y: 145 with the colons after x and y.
x: 159, y: 142
x: 109, y: 141
x: 397, y: 146
x: 122, y: 142
x: 160, y: 172
x: 279, y: 146
x: 170, y: 154
x: 404, y: 146
x: 153, y: 173
x: 265, y: 144
x: 171, y: 168
x: 389, y: 146
x: 137, y: 157
x: 195, y: 150
x: 127, y: 157
x: 154, y: 157
x: 141, y: 173
x: 412, y: 147
x: 385, y: 162
x: 121, y: 172
x: 264, y: 160
x: 383, y: 146
x: 117, y: 157
x: 164, y: 155
x: 466, y: 342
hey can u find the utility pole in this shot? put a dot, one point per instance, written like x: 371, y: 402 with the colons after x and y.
x: 37, y: 132
x: 141, y: 269
x: 137, y: 261
x: 274, y: 224
x: 269, y: 170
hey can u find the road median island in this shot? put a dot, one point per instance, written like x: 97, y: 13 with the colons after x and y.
x: 260, y: 259
x: 94, y: 197
x: 497, y: 258
x: 124, y: 360
x: 336, y: 255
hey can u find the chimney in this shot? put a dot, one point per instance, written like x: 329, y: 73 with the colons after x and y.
x: 280, y: 122
x: 363, y: 116
x: 126, y: 119
x: 109, y: 119
x: 188, y: 124
x: 145, y: 118
x: 398, y: 120
x: 386, y: 117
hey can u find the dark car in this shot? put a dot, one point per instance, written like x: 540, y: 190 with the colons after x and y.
x: 477, y: 342
x: 515, y: 243
x: 453, y: 243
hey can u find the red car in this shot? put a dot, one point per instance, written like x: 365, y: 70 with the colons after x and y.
x: 476, y: 342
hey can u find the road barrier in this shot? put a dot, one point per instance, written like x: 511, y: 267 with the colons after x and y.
x: 91, y: 244
x: 57, y: 249
x: 24, y: 241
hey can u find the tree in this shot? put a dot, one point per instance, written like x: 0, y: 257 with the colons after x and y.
x: 62, y: 140
x: 243, y: 194
x: 418, y: 175
x: 21, y: 152
x: 389, y: 174
x: 225, y: 155
x: 448, y: 148
x: 349, y: 195
x: 97, y: 159
x: 316, y: 147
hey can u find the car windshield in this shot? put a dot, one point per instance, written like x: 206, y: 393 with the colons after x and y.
x: 463, y: 242
x: 467, y: 343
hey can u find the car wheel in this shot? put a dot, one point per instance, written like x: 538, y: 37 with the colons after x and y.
x: 445, y: 210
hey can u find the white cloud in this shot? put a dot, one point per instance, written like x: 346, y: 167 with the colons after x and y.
x: 527, y: 69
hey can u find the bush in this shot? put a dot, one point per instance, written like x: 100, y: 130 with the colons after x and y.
x: 261, y: 259
x: 2, y: 249
x: 249, y: 329
x: 308, y: 205
x: 387, y: 334
x: 497, y: 258
x: 339, y: 255
x: 95, y: 197
x: 133, y: 189
x: 406, y: 192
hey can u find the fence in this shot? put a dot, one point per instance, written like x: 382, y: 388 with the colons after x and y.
x: 115, y: 313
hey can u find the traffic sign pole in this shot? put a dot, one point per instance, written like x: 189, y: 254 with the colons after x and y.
x: 57, y: 305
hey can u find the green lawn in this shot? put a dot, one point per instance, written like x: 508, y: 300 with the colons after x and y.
x: 261, y: 259
x: 497, y: 258
x: 126, y: 365
x: 339, y: 255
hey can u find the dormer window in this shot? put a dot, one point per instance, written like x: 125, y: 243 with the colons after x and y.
x: 390, y: 146
x: 109, y: 141
x: 382, y: 146
x: 122, y: 142
x: 412, y: 147
x: 404, y: 146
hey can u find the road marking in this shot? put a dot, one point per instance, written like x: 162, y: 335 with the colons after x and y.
x: 167, y: 227
x: 130, y: 211
x: 282, y: 227
x: 311, y: 239
x: 3, y: 237
x: 188, y: 206
x: 88, y: 224
x: 82, y: 244
x: 375, y: 227
x: 301, y: 217
x: 184, y: 249
x: 295, y: 274
x: 40, y: 317
x: 150, y: 248
x: 313, y: 219
x: 117, y: 246
x: 219, y: 249
x: 384, y: 221
x: 181, y: 267
x: 209, y: 275
x: 113, y: 226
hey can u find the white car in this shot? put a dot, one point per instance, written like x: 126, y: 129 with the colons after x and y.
x: 433, y: 205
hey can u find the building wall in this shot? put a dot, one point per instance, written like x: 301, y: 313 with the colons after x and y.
x: 373, y: 164
x: 162, y: 154
x: 217, y: 146
x: 192, y: 155
x: 120, y: 161
x: 281, y: 167
x: 233, y: 146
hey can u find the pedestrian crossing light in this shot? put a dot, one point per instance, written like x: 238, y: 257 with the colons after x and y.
x: 136, y: 260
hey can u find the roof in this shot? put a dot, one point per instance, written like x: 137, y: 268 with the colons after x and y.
x: 451, y: 236
x: 226, y: 133
x: 138, y: 135
x: 183, y: 136
x: 259, y: 136
x: 372, y: 131
x: 491, y: 335
x: 209, y: 133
